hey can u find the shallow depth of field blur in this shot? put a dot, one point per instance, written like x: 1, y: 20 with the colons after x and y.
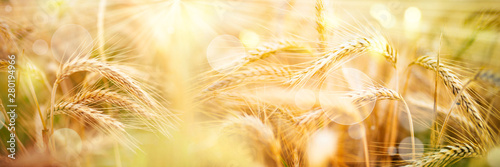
x: 251, y: 82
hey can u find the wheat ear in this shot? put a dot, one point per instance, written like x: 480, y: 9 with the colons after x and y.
x: 451, y: 81
x: 449, y: 154
x: 261, y: 52
x: 110, y: 72
x: 382, y: 93
x: 257, y: 73
x: 267, y: 50
x: 88, y: 114
x: 375, y: 94
x: 101, y: 95
x: 463, y: 98
x: 377, y: 44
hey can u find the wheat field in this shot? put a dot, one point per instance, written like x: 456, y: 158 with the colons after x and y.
x: 279, y: 83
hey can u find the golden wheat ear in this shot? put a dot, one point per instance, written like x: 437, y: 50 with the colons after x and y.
x: 262, y: 52
x: 332, y: 58
x: 449, y: 154
x: 98, y: 120
x: 145, y: 116
x: 463, y: 99
x: 109, y: 72
x: 164, y: 120
x: 451, y: 80
x: 114, y: 98
x: 253, y: 74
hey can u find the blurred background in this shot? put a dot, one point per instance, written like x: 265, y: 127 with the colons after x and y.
x: 175, y: 42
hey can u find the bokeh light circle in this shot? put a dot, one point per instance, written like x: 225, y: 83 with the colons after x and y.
x: 71, y: 41
x: 356, y: 131
x: 67, y: 144
x: 405, y: 149
x: 335, y: 100
x: 305, y: 99
x: 40, y: 18
x: 249, y: 38
x: 321, y: 146
x: 224, y: 51
x: 8, y: 8
x: 40, y: 47
x: 493, y: 156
